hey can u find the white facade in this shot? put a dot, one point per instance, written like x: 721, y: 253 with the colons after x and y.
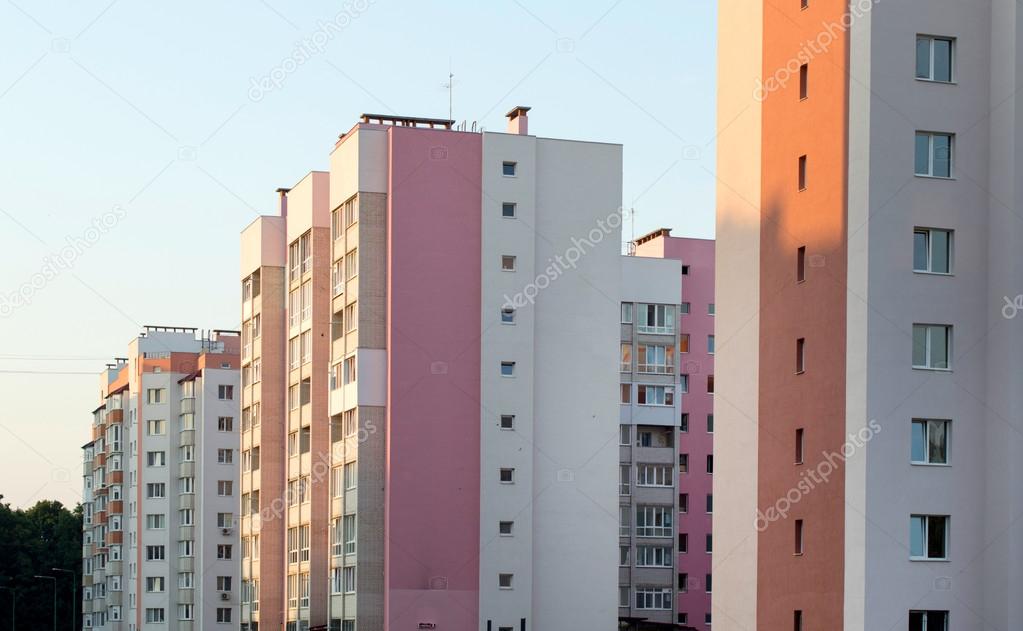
x: 565, y: 236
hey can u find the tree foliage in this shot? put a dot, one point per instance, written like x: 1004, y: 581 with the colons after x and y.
x: 32, y: 541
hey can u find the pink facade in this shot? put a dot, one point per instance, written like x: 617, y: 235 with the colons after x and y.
x: 433, y: 408
x: 697, y: 257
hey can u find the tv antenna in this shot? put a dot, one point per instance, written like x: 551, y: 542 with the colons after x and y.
x: 450, y: 86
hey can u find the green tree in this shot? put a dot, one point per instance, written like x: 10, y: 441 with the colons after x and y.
x: 32, y: 541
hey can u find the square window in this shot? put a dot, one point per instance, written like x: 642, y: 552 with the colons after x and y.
x: 508, y: 169
x: 931, y: 346
x: 935, y: 58
x: 507, y: 369
x: 508, y: 263
x: 504, y: 528
x: 507, y: 475
x: 507, y: 315
x: 930, y: 441
x: 507, y: 421
x: 934, y: 154
x: 684, y: 308
x: 504, y: 581
x: 928, y: 537
x: 508, y: 210
x: 932, y: 251
x: 685, y: 270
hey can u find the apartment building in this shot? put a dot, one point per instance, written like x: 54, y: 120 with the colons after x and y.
x: 447, y: 456
x: 696, y: 423
x: 868, y: 233
x: 160, y: 540
x: 649, y: 464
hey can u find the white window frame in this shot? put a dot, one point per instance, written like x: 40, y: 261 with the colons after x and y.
x: 925, y: 522
x: 928, y: 233
x: 929, y: 329
x: 655, y: 475
x: 654, y: 521
x: 663, y: 319
x: 928, y: 425
x: 931, y: 135
x: 931, y: 39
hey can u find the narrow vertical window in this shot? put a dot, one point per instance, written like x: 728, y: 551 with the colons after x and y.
x: 797, y: 620
x: 798, y: 543
x: 802, y: 173
x: 799, y: 445
x: 804, y: 76
x: 801, y: 264
x: 800, y: 355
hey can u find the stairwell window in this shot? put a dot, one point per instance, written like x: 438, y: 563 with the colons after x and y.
x: 931, y: 346
x: 928, y: 537
x: 928, y: 620
x: 507, y: 263
x: 508, y: 169
x: 508, y: 210
x: 932, y: 251
x: 934, y: 154
x: 930, y: 441
x: 935, y: 58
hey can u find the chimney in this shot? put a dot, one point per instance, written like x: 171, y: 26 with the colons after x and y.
x: 283, y: 192
x: 518, y: 122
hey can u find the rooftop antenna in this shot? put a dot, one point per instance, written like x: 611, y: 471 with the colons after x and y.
x: 450, y: 85
x: 631, y: 247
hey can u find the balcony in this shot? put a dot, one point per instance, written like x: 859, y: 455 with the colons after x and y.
x: 187, y: 437
x: 116, y: 507
x: 117, y: 477
x: 115, y: 416
x: 188, y: 405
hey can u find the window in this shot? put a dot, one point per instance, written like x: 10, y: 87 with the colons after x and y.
x: 708, y: 543
x: 624, y: 478
x: 683, y: 502
x: 156, y: 458
x: 504, y: 528
x: 708, y: 585
x: 710, y: 503
x: 156, y: 428
x: 710, y: 308
x: 802, y: 173
x: 932, y: 251
x: 683, y: 582
x: 349, y: 525
x: 187, y: 484
x: 156, y: 395
x: 683, y: 542
x: 504, y: 581
x: 624, y: 521
x: 931, y: 346
x: 507, y: 421
x: 507, y: 315
x: 684, y: 308
x: 928, y: 537
x: 154, y: 584
x: 507, y: 369
x: 683, y: 343
x: 303, y: 543
x: 654, y: 598
x: 186, y: 516
x: 710, y: 384
x: 225, y: 423
x: 928, y: 620
x: 225, y: 456
x: 624, y: 435
x: 155, y: 553
x: 626, y: 313
x: 223, y: 551
x: 154, y: 614
x: 623, y: 556
x: 803, y: 4
x: 935, y: 58
x: 658, y: 319
x: 351, y: 475
x: 710, y: 463
x: 508, y: 263
x: 223, y: 614
x: 508, y: 210
x: 348, y: 370
x: 683, y: 463
x: 799, y: 445
x: 507, y: 475
x: 351, y: 271
x: 626, y: 358
x: 801, y: 264
x: 654, y: 521
x: 683, y: 424
x: 797, y: 620
x: 351, y: 320
x: 156, y: 490
x: 156, y: 521
x: 508, y: 169
x: 800, y: 355
x: 225, y: 488
x: 710, y: 344
x: 337, y: 277
x: 710, y: 423
x: 930, y: 441
x: 186, y: 612
x: 186, y: 548
x: 804, y: 77
x: 225, y: 393
x: 934, y: 154
x: 349, y: 579
x: 653, y: 359
x: 655, y: 395
x: 653, y: 475
x: 626, y: 393
x: 798, y: 531
x: 653, y: 556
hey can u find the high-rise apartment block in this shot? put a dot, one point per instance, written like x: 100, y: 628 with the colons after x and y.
x: 868, y: 234
x: 429, y: 352
x: 695, y: 365
x: 160, y: 540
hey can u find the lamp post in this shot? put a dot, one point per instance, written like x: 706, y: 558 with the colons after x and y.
x: 74, y: 593
x: 14, y: 603
x: 54, y: 579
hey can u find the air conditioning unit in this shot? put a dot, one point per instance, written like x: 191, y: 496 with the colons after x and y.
x: 225, y: 596
x: 225, y: 531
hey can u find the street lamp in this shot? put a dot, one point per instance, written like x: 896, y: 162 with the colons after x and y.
x: 14, y: 603
x: 74, y: 593
x: 54, y: 579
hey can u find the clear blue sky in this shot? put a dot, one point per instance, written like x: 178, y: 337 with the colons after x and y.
x: 141, y: 114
